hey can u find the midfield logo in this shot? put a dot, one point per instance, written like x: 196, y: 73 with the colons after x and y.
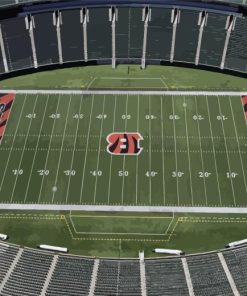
x: 124, y: 143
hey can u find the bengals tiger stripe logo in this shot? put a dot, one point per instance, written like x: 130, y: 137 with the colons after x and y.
x: 244, y: 102
x: 6, y: 102
x: 124, y: 143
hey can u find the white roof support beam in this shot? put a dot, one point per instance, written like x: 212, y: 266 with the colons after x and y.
x: 12, y: 267
x: 30, y: 26
x: 202, y: 22
x: 5, y: 63
x: 230, y: 25
x: 143, y: 274
x: 113, y: 17
x: 146, y: 18
x: 57, y: 22
x: 187, y: 276
x: 94, y: 277
x: 84, y: 14
x: 228, y: 275
x: 175, y: 19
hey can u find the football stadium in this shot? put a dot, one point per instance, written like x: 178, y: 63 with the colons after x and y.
x: 123, y: 147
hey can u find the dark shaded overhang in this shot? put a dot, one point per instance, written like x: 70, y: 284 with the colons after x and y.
x: 46, y: 6
x: 213, y: 5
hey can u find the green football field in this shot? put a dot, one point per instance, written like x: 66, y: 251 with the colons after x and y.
x: 127, y: 77
x: 54, y: 150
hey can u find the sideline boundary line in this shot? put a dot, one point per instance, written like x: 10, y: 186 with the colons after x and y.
x: 179, y: 220
x: 125, y: 92
x: 108, y: 208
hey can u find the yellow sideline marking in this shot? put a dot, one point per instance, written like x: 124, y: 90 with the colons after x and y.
x: 116, y: 239
x: 26, y: 216
x: 213, y: 219
x: 133, y: 217
x: 31, y: 216
x: 170, y: 235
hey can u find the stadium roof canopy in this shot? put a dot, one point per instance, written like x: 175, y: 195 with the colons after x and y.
x: 24, y: 7
x: 175, y: 2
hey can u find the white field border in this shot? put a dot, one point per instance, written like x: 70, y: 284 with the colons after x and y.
x: 126, y: 92
x: 109, y: 208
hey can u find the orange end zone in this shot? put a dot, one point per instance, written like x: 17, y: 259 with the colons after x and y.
x: 244, y: 102
x: 6, y: 102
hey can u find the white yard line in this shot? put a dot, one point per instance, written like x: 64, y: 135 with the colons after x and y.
x: 202, y: 161
x: 22, y: 154
x: 163, y: 152
x: 137, y: 158
x: 74, y: 147
x: 175, y: 149
x: 240, y: 156
x: 36, y: 148
x: 215, y: 163
x: 61, y: 150
x: 98, y: 157
x: 189, y: 160
x: 113, y: 129
x: 124, y: 159
x: 11, y: 149
x: 47, y: 155
x: 150, y: 152
x: 129, y: 92
x: 227, y: 156
x: 85, y: 158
